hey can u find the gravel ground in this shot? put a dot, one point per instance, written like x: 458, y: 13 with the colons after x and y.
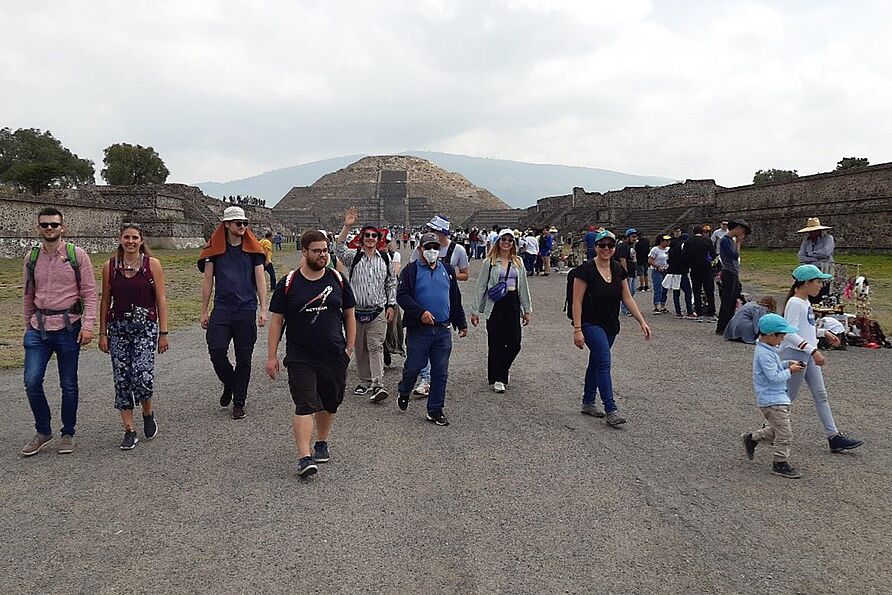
x: 520, y: 494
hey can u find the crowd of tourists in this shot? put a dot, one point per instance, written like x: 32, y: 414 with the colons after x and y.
x: 351, y: 299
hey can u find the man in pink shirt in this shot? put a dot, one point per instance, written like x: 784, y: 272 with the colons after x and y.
x: 60, y: 309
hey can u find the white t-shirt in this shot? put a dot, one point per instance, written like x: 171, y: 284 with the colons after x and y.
x: 492, y: 238
x: 660, y: 256
x: 799, y: 313
x: 532, y: 245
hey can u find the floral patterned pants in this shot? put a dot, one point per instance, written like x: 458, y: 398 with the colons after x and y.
x: 132, y: 343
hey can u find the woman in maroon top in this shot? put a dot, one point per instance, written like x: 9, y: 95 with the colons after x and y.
x: 133, y: 309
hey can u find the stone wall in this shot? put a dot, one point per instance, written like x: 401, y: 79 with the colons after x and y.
x: 856, y: 203
x: 171, y: 215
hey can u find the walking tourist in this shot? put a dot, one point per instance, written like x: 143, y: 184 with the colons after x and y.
x: 628, y: 259
x: 658, y: 259
x: 132, y: 326
x: 677, y: 276
x: 590, y: 236
x: 450, y: 253
x: 699, y: 255
x: 642, y: 249
x: 803, y: 346
x: 59, y: 309
x: 474, y: 237
x: 267, y: 245
x: 491, y: 238
x: 729, y: 253
x: 744, y: 325
x: 546, y: 244
x: 374, y: 286
x: 232, y: 264
x: 431, y: 301
x: 315, y: 306
x: 717, y: 236
x: 598, y: 290
x: 394, y: 341
x: 503, y: 298
x: 277, y: 241
x: 770, y: 377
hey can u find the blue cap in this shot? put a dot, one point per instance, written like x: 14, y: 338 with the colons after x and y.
x: 775, y: 323
x: 631, y: 231
x: 604, y: 234
x: 807, y: 272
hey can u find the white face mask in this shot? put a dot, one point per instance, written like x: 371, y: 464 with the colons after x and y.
x: 431, y: 256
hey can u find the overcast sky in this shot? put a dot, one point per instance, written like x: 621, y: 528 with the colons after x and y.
x: 682, y: 89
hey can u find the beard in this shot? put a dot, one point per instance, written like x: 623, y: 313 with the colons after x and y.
x: 315, y: 264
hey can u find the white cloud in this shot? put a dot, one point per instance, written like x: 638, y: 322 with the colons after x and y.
x: 680, y: 89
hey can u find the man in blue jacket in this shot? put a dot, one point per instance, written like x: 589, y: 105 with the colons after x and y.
x: 431, y: 301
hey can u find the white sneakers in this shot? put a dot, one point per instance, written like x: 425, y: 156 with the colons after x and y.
x: 498, y: 387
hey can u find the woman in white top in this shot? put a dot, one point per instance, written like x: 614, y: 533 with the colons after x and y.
x: 502, y: 315
x: 803, y: 347
x: 658, y: 259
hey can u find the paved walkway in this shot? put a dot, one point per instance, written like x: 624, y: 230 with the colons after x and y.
x: 520, y: 494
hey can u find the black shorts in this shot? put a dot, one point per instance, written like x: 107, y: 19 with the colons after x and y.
x: 317, y: 387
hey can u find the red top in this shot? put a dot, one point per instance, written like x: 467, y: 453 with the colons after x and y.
x: 128, y: 292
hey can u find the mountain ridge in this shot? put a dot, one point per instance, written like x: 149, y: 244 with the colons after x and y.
x: 517, y: 183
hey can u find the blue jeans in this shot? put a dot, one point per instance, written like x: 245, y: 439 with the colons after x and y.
x: 597, y: 374
x: 633, y: 285
x: 37, y: 355
x: 425, y: 343
x: 660, y: 292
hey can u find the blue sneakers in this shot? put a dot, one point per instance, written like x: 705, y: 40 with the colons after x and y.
x: 306, y: 467
x: 320, y: 452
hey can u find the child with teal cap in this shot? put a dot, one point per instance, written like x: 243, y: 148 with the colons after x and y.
x: 803, y: 346
x: 770, y: 376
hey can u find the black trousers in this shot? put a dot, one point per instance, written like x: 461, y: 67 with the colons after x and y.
x: 241, y: 329
x: 271, y: 271
x: 730, y: 293
x: 703, y: 283
x: 503, y: 336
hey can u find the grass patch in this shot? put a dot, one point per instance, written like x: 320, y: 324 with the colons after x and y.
x: 771, y: 269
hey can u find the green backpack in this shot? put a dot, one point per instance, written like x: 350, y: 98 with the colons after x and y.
x: 72, y: 260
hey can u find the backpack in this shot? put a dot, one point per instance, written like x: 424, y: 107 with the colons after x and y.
x: 568, y: 299
x: 145, y: 268
x: 290, y: 277
x: 358, y: 256
x: 449, y: 251
x: 72, y: 260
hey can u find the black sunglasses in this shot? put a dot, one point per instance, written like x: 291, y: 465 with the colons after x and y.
x: 370, y: 235
x: 431, y: 247
x: 606, y: 246
x: 53, y: 224
x: 240, y: 223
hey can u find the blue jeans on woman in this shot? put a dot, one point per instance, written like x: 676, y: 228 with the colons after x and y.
x: 597, y: 374
x: 38, y: 351
x: 660, y: 292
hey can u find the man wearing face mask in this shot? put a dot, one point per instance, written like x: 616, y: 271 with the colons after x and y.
x: 429, y: 296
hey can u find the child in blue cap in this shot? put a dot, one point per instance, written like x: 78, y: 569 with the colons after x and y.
x: 770, y: 376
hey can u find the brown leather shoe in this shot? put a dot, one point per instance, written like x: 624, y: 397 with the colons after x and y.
x: 238, y: 412
x: 36, y: 445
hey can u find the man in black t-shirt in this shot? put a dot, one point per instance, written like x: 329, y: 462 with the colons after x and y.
x: 628, y: 258
x: 316, y: 308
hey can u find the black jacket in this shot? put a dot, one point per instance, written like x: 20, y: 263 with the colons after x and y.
x: 412, y: 310
x: 698, y: 254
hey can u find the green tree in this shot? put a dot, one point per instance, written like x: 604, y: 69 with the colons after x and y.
x: 852, y: 163
x: 768, y: 176
x: 35, y: 161
x: 133, y: 165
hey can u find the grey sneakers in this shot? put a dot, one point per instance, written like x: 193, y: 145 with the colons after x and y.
x: 615, y: 419
x: 592, y: 409
x: 36, y: 445
x: 66, y: 445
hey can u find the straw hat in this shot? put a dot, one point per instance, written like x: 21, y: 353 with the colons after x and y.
x: 813, y: 224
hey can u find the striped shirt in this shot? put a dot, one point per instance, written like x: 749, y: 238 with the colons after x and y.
x: 371, y: 284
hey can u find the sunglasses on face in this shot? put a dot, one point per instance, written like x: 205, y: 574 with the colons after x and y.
x: 507, y: 239
x: 53, y: 224
x: 431, y: 247
x: 606, y: 246
x: 370, y: 235
x: 240, y: 223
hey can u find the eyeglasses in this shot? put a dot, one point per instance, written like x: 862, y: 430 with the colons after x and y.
x: 606, y: 246
x: 240, y: 223
x: 318, y: 251
x: 370, y: 235
x: 46, y: 224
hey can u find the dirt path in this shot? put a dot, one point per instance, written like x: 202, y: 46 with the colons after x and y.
x: 520, y: 494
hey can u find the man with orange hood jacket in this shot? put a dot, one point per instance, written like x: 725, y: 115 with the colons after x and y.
x: 233, y: 262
